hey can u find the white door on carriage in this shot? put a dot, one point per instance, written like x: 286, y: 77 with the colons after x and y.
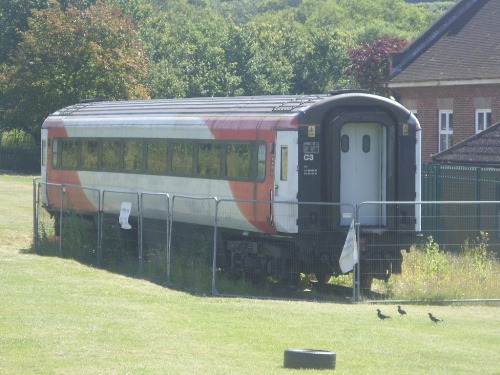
x: 286, y: 182
x: 362, y: 171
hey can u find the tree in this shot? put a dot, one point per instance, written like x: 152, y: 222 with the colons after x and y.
x: 258, y: 52
x: 66, y: 56
x: 14, y: 16
x: 321, y: 61
x: 369, y: 64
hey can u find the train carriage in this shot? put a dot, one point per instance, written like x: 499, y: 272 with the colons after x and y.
x: 344, y: 148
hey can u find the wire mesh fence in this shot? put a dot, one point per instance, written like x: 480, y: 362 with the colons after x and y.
x: 455, y: 255
x: 155, y: 235
x: 65, y: 222
x: 277, y: 249
x: 290, y: 250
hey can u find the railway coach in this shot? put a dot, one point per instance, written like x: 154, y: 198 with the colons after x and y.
x: 337, y: 150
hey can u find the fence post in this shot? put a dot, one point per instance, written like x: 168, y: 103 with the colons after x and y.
x: 139, y: 235
x: 35, y: 215
x: 61, y: 215
x: 356, y: 297
x: 214, y: 260
x: 478, y: 198
x: 99, y: 229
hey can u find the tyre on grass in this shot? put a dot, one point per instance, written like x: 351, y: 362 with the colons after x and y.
x: 309, y: 358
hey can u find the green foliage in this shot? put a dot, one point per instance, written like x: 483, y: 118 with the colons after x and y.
x: 369, y: 64
x: 14, y: 16
x: 63, y: 51
x: 79, y: 239
x: 67, y: 56
x: 479, y: 256
x: 430, y: 274
x: 14, y: 138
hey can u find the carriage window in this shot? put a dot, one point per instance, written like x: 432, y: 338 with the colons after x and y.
x: 44, y: 152
x: 90, y: 154
x: 261, y: 163
x: 55, y: 149
x: 182, y: 157
x: 366, y: 144
x: 132, y: 155
x: 344, y: 143
x: 209, y: 159
x: 284, y: 163
x: 238, y: 160
x: 157, y: 157
x: 111, y: 154
x: 69, y: 153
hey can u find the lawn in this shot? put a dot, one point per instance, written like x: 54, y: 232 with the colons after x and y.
x: 60, y: 317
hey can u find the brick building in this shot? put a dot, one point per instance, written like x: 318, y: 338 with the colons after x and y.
x: 450, y: 75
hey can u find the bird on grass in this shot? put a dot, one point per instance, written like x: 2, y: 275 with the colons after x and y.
x: 382, y: 316
x: 401, y: 311
x: 435, y: 319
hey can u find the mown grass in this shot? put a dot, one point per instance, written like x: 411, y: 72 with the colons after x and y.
x: 58, y: 316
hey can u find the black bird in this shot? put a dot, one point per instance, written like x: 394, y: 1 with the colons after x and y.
x: 401, y: 311
x: 382, y: 316
x: 435, y: 319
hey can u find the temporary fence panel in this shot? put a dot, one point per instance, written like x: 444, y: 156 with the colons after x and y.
x: 293, y: 262
x: 277, y: 249
x: 80, y: 223
x: 155, y: 235
x: 47, y: 221
x: 191, y: 246
x: 120, y: 230
x: 456, y: 259
x: 382, y: 245
x: 66, y: 222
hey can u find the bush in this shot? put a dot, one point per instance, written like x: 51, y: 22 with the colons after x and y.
x: 431, y: 274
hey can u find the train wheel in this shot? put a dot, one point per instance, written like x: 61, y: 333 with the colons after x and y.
x: 309, y: 358
x: 322, y: 278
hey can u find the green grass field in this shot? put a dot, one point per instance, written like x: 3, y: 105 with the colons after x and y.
x: 60, y: 317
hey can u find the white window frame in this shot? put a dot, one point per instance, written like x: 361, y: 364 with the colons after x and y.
x: 483, y: 119
x: 445, y: 129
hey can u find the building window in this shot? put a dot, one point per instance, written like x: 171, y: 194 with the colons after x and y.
x: 483, y: 119
x: 445, y: 130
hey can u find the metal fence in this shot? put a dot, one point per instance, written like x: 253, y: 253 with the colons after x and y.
x: 460, y: 183
x: 455, y: 255
x: 20, y: 159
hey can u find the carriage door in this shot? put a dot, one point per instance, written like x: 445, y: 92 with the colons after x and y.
x: 286, y: 182
x: 362, y: 170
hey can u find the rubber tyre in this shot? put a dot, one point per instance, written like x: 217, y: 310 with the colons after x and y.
x: 309, y: 358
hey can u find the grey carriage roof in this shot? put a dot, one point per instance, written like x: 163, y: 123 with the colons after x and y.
x: 313, y: 107
x: 190, y: 106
